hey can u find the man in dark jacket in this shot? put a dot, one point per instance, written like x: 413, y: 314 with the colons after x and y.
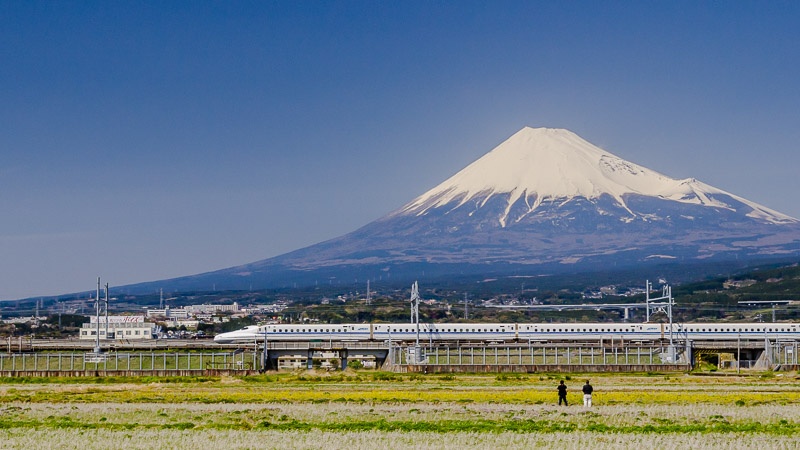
x: 587, y: 394
x: 562, y: 393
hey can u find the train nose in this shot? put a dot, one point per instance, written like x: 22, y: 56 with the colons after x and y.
x: 222, y: 339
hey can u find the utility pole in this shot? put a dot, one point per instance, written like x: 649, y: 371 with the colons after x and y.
x: 738, y: 351
x: 97, y: 318
x: 415, y: 307
x: 106, y: 311
x: 36, y: 319
x: 666, y: 294
x: 264, y: 356
x: 466, y: 307
x: 415, y: 318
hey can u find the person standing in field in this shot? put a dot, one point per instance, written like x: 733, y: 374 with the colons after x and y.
x: 562, y: 394
x: 587, y: 394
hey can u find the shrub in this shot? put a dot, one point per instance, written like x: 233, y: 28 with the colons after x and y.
x: 355, y: 364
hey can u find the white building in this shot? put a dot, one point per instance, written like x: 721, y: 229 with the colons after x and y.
x: 119, y: 327
x: 210, y: 309
x: 180, y: 313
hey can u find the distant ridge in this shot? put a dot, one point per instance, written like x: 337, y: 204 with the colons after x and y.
x: 543, y: 201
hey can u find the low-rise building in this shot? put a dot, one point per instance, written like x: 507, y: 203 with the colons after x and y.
x: 169, y: 313
x: 119, y: 327
x: 201, y: 309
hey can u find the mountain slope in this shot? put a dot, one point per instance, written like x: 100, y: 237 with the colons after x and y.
x: 543, y: 200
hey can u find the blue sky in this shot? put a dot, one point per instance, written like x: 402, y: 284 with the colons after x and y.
x: 147, y: 140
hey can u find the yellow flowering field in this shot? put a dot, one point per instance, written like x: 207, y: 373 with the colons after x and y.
x: 392, y: 411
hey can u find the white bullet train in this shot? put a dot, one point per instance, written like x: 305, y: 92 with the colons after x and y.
x: 511, y: 332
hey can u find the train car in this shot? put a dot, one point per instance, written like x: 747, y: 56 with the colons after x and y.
x: 508, y: 332
x: 445, y: 332
x: 734, y: 331
x: 286, y: 332
x: 590, y: 331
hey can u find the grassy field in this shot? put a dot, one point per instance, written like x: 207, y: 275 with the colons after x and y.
x: 381, y: 410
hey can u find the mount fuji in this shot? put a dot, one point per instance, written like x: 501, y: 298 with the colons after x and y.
x: 544, y: 200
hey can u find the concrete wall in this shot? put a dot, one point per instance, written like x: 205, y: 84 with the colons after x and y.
x: 544, y: 368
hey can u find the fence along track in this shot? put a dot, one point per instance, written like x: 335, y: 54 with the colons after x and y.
x: 529, y: 357
x: 127, y: 364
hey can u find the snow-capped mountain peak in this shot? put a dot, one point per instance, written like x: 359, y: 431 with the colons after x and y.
x: 544, y: 165
x: 544, y: 201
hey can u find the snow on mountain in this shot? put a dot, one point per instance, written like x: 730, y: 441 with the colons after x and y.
x: 544, y: 166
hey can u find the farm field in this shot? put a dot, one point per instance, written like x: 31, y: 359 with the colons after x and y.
x: 383, y: 410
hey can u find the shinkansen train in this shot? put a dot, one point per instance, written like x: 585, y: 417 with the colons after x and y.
x: 510, y: 332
